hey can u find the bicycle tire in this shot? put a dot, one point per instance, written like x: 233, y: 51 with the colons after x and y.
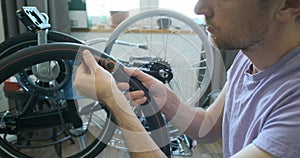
x: 27, y: 39
x: 15, y: 62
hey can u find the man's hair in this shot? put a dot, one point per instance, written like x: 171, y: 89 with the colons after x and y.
x: 265, y: 4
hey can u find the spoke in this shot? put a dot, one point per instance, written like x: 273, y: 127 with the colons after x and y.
x: 190, y: 68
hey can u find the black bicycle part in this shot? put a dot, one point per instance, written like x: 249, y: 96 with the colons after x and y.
x: 33, y: 119
x: 28, y: 39
x: 40, y: 120
x: 161, y: 70
x: 15, y: 122
x: 35, y: 21
x: 46, y: 83
x: 34, y: 55
x: 25, y: 40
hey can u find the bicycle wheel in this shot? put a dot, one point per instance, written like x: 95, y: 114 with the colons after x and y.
x: 11, y: 125
x: 29, y: 39
x: 182, y: 46
x: 34, y: 112
x: 171, y: 44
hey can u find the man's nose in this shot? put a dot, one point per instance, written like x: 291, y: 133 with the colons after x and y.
x: 204, y: 7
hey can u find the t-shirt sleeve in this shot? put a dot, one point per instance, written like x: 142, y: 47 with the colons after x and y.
x: 280, y: 133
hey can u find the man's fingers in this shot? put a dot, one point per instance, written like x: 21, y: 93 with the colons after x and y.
x: 89, y: 60
x: 129, y: 71
x: 123, y: 86
x: 135, y: 95
x: 133, y: 72
x: 138, y: 102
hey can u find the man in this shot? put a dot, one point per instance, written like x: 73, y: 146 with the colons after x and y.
x: 258, y: 111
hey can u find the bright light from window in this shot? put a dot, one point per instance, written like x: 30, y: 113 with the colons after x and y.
x: 185, y: 7
x: 122, y: 5
x: 102, y: 7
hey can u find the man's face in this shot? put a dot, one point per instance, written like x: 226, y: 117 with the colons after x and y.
x: 235, y: 24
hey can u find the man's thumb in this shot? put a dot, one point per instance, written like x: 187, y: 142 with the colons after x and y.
x: 89, y: 60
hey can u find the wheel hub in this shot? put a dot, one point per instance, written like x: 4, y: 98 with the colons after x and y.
x: 160, y: 69
x: 46, y: 79
x: 46, y: 72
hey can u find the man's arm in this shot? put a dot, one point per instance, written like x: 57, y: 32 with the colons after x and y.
x: 252, y: 151
x: 94, y: 82
x: 138, y: 141
x: 198, y: 123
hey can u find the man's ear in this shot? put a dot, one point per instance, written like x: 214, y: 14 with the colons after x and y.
x: 288, y: 10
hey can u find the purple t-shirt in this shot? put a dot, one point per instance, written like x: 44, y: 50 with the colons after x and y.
x: 264, y: 108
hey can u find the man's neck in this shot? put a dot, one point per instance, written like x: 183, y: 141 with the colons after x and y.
x: 264, y: 55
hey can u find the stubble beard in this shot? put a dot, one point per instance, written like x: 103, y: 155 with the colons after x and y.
x: 241, y: 38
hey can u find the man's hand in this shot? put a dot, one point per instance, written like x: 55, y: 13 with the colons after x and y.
x: 156, y: 88
x: 92, y: 80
